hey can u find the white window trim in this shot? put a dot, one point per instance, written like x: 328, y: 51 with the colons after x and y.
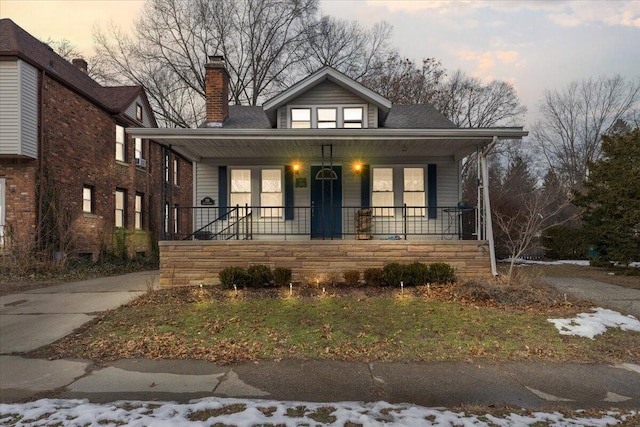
x: 120, y: 213
x: 414, y: 211
x: 384, y: 211
x: 175, y: 171
x: 271, y: 213
x: 232, y: 203
x: 138, y: 217
x: 85, y: 199
x: 340, y: 114
x: 121, y: 144
x: 139, y: 149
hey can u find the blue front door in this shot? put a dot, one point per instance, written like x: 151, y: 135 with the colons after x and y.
x: 326, y: 202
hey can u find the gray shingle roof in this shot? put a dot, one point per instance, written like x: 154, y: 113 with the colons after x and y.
x: 416, y: 116
x: 247, y: 117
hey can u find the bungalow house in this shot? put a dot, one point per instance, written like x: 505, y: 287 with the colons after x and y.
x: 325, y: 177
x: 72, y: 180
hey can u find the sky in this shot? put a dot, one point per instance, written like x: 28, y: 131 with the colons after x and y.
x: 536, y: 45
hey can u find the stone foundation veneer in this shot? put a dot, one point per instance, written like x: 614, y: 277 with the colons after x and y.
x: 197, y: 262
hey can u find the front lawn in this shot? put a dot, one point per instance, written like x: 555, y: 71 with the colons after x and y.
x: 448, y: 322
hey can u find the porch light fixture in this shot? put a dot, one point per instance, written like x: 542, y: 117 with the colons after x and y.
x: 357, y: 167
x: 296, y: 168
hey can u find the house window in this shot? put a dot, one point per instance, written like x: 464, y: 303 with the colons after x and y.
x: 327, y: 118
x: 138, y: 212
x: 175, y: 219
x: 413, y: 195
x: 2, y: 209
x: 120, y: 208
x: 87, y: 199
x: 271, y: 195
x: 166, y: 218
x: 120, y: 143
x: 300, y: 118
x: 240, y: 188
x: 139, y: 112
x: 166, y: 168
x: 175, y: 171
x: 352, y: 117
x: 382, y: 194
x: 138, y: 149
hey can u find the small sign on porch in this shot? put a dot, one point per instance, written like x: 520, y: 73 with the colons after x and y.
x: 301, y: 182
x: 207, y: 201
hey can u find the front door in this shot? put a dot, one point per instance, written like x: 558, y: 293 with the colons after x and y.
x: 326, y: 202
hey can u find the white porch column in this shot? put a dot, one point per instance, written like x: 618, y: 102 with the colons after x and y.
x: 488, y: 223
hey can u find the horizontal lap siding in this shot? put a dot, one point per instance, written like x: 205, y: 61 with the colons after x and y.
x: 18, y: 109
x: 195, y: 263
x: 206, y: 186
x: 327, y: 93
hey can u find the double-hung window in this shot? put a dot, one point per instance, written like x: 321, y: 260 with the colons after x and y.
x: 87, y: 199
x: 240, y: 188
x: 327, y: 118
x: 120, y: 198
x: 271, y: 194
x: 352, y: 117
x: 175, y: 171
x: 300, y: 118
x: 382, y: 194
x: 138, y: 212
x: 138, y: 148
x: 413, y: 195
x: 120, y: 144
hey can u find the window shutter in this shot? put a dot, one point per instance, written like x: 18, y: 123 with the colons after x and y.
x: 432, y: 186
x: 288, y: 192
x: 365, y: 187
x: 222, y: 190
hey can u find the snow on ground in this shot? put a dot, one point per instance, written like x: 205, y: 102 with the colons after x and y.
x: 591, y: 324
x: 244, y: 412
x: 580, y: 262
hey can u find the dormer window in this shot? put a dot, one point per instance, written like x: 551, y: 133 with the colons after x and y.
x: 300, y: 118
x: 352, y: 117
x: 328, y: 117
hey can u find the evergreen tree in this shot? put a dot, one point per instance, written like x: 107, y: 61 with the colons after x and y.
x: 611, y: 199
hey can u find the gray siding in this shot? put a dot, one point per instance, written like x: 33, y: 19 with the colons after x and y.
x: 326, y: 93
x: 146, y: 114
x: 372, y: 117
x: 206, y: 185
x: 18, y: 109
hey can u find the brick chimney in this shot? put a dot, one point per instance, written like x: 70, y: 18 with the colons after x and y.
x: 216, y: 85
x: 80, y: 64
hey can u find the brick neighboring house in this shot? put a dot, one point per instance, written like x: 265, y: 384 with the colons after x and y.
x: 71, y: 178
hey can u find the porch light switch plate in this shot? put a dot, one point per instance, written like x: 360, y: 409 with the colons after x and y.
x: 301, y: 182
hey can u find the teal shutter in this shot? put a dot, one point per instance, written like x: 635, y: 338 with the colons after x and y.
x: 432, y: 188
x: 365, y: 187
x: 223, y: 187
x: 288, y: 192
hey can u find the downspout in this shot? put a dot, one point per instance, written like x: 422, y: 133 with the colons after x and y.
x: 479, y: 233
x: 488, y: 223
x: 40, y: 183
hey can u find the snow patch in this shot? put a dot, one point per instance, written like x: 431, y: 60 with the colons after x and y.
x: 589, y: 325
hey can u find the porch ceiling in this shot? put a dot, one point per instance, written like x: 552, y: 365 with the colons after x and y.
x: 365, y: 144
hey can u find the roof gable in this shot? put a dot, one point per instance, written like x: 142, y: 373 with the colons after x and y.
x: 326, y: 73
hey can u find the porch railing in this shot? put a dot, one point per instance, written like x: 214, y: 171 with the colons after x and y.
x: 386, y: 222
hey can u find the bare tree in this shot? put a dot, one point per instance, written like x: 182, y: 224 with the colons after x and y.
x: 346, y: 46
x: 402, y: 81
x: 467, y: 102
x: 575, y: 118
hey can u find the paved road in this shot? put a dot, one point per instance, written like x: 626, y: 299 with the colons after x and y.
x: 35, y: 318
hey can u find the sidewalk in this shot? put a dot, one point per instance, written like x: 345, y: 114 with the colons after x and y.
x: 35, y: 318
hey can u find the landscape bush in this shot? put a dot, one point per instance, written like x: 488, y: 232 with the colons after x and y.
x: 441, y: 272
x: 230, y: 276
x: 374, y: 277
x: 351, y: 278
x: 393, y: 273
x: 281, y: 276
x: 417, y: 273
x: 260, y: 275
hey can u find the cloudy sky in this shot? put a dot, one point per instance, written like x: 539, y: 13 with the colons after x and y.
x: 536, y: 45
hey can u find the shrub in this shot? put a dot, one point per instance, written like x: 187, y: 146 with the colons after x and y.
x: 351, y: 278
x: 281, y: 276
x: 374, y: 277
x: 259, y: 275
x: 441, y: 272
x: 393, y: 273
x: 416, y: 273
x: 564, y: 242
x: 230, y: 276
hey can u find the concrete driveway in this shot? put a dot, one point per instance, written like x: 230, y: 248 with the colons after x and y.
x: 38, y: 317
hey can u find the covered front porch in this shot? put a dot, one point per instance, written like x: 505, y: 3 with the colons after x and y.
x: 344, y: 199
